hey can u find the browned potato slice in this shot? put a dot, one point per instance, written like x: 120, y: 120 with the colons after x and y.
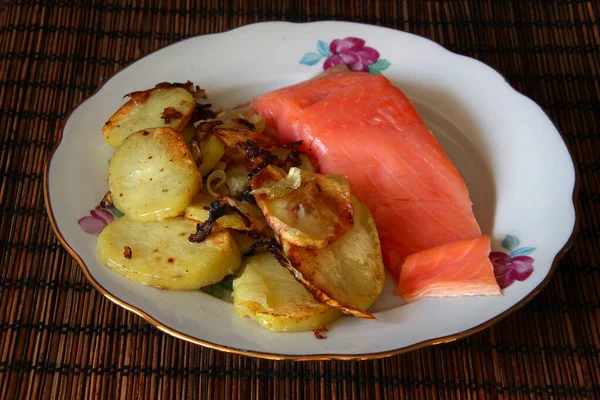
x: 153, y: 175
x: 212, y: 150
x: 169, y: 107
x: 314, y: 215
x: 188, y: 132
x: 198, y: 211
x: 159, y: 253
x: 269, y: 294
x: 348, y: 274
x: 243, y: 240
x: 231, y: 137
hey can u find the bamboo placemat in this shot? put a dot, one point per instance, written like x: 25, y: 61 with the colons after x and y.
x: 60, y: 338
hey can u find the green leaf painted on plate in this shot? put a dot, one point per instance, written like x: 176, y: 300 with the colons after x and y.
x: 310, y: 59
x: 323, y: 48
x: 378, y: 66
x: 510, y: 242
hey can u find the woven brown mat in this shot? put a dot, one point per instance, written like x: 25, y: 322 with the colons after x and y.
x: 60, y: 338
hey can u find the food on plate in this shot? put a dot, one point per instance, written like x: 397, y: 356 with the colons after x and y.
x: 292, y: 203
x: 199, y: 210
x: 237, y: 179
x: 188, y: 133
x: 313, y: 213
x: 200, y: 197
x: 152, y: 175
x: 211, y: 150
x: 269, y: 294
x: 159, y: 254
x: 245, y: 240
x: 288, y: 154
x: 364, y: 128
x: 162, y: 106
x: 460, y: 268
x: 241, y: 117
x: 348, y: 274
x: 232, y: 136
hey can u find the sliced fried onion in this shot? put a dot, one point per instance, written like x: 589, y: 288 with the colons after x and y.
x: 219, y: 175
x: 218, y: 208
x: 278, y: 189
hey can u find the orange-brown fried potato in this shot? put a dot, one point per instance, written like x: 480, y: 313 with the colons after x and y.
x: 348, y: 274
x: 314, y: 215
x: 159, y: 107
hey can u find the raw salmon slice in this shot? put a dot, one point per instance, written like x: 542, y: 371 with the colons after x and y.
x: 460, y: 268
x: 363, y: 127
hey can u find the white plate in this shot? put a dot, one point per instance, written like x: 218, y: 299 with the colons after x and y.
x: 514, y: 161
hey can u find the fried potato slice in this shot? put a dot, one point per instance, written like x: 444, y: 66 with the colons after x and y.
x: 160, y: 254
x: 187, y: 133
x: 314, y: 215
x: 269, y: 294
x: 198, y: 210
x: 348, y: 274
x: 159, y: 107
x: 243, y: 240
x: 212, y: 150
x: 231, y: 137
x: 153, y: 175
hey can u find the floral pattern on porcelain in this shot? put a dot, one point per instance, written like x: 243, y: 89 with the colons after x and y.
x: 98, y: 219
x: 516, y: 265
x: 350, y: 51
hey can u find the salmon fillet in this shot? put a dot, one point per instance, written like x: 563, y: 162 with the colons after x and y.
x: 364, y: 128
x: 460, y: 268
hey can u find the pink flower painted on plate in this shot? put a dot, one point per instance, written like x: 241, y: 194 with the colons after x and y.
x: 350, y: 51
x: 514, y: 266
x: 96, y: 221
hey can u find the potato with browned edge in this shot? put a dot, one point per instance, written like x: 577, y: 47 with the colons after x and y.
x: 269, y: 294
x: 314, y: 214
x: 159, y: 253
x: 348, y: 274
x: 159, y: 107
x: 198, y: 208
x: 153, y: 175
